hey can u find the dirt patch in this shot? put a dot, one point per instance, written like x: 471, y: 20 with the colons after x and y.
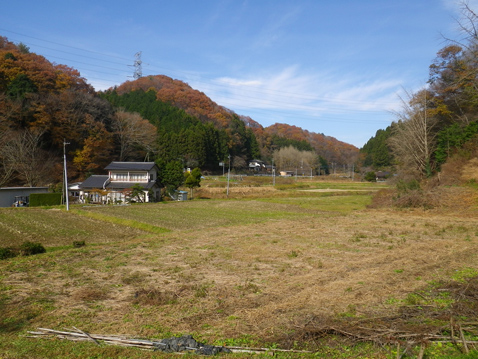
x: 470, y: 170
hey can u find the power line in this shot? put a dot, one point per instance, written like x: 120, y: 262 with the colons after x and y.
x: 271, y: 97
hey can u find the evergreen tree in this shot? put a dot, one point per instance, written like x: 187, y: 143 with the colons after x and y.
x: 193, y: 180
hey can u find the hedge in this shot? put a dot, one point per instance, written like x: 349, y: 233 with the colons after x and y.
x: 45, y: 199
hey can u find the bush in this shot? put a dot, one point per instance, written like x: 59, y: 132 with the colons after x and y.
x: 78, y: 244
x: 407, y: 186
x: 6, y: 253
x: 45, y: 199
x: 31, y: 248
x: 370, y: 177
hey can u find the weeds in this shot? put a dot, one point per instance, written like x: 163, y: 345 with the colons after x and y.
x: 31, y: 248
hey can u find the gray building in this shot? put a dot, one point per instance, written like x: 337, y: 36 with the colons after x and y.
x: 18, y: 196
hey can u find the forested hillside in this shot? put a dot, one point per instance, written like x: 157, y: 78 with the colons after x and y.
x: 181, y: 135
x: 260, y: 142
x: 440, y: 121
x: 376, y: 153
x: 46, y: 109
x: 41, y: 105
x: 326, y: 147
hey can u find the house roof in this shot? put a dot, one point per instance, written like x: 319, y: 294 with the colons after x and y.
x: 131, y: 166
x: 95, y: 181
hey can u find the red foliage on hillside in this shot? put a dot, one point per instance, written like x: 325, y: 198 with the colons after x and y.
x: 47, y: 77
x: 326, y: 146
x: 181, y: 95
x: 196, y: 103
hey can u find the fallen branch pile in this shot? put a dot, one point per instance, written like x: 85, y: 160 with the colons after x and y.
x: 185, y: 343
x: 463, y: 335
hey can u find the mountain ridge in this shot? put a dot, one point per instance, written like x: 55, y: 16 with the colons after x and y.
x: 196, y: 103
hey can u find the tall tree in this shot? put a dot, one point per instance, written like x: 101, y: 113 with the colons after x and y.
x: 413, y: 136
x: 171, y: 175
x: 133, y: 133
x: 193, y: 180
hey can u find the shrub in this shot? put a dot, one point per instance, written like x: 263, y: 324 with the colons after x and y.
x: 370, y: 177
x: 406, y: 186
x: 45, y: 199
x: 6, y: 253
x: 78, y: 244
x: 31, y: 248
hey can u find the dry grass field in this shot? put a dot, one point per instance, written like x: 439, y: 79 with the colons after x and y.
x: 267, y: 266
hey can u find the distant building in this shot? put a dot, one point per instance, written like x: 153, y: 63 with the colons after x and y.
x: 116, y: 186
x: 381, y: 176
x: 18, y: 196
x: 256, y: 165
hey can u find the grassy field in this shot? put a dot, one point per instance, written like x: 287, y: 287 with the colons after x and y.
x: 276, y: 267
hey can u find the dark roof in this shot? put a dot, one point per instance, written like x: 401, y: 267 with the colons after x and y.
x: 124, y: 185
x: 95, y: 181
x: 133, y: 166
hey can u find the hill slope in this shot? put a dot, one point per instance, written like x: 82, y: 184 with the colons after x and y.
x: 196, y: 103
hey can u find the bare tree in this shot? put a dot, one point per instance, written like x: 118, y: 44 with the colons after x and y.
x: 133, y: 132
x: 6, y: 168
x: 239, y: 162
x: 22, y: 154
x: 468, y: 23
x: 413, y: 136
x: 290, y: 158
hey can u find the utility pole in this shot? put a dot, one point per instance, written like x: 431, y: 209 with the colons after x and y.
x: 228, y: 175
x: 66, y: 176
x: 273, y: 173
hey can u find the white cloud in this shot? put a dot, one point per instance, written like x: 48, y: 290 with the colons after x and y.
x: 291, y: 89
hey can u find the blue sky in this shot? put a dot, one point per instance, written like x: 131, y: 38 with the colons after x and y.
x: 332, y: 67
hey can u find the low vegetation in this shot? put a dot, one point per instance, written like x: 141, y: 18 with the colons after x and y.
x: 309, y: 267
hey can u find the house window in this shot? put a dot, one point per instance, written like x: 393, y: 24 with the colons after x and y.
x: 120, y: 176
x: 138, y: 177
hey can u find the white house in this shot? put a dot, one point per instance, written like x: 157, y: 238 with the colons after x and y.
x: 117, y: 185
x: 256, y: 165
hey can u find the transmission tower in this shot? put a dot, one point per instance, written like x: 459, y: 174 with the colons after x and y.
x: 138, y: 71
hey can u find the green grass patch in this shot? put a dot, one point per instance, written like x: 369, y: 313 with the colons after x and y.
x: 327, y: 202
x: 199, y: 214
x: 56, y: 228
x: 123, y: 221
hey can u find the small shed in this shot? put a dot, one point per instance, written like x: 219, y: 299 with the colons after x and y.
x: 180, y: 196
x: 18, y: 196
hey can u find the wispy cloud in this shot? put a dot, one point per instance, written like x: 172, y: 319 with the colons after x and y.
x: 291, y: 89
x: 276, y: 26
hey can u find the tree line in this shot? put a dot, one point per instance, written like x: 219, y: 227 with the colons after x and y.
x: 46, y: 109
x: 439, y: 120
